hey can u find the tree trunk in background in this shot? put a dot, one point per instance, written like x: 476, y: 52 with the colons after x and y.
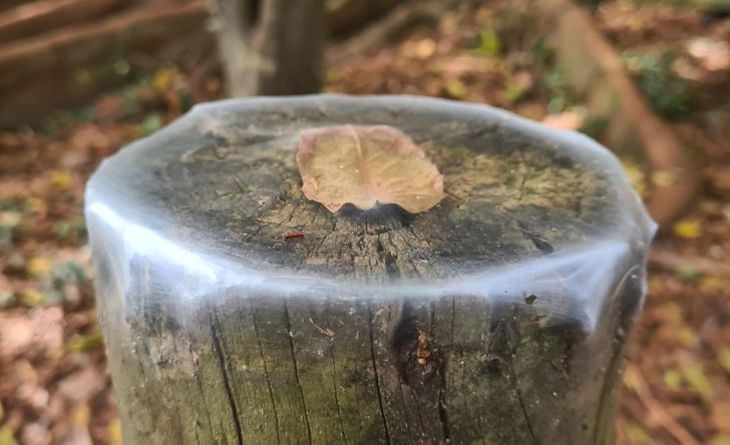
x: 270, y: 47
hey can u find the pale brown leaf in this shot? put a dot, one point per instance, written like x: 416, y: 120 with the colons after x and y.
x: 367, y: 165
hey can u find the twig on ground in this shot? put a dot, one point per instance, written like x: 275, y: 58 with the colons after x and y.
x: 657, y: 414
x: 670, y: 260
x: 390, y: 27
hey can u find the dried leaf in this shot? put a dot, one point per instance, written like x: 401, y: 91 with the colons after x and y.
x: 724, y: 358
x: 721, y: 415
x: 714, y: 54
x: 688, y: 228
x: 82, y: 385
x: 41, y: 329
x: 61, y: 180
x: 673, y: 379
x: 568, y: 120
x: 164, y: 78
x: 39, y: 267
x: 489, y: 42
x: 696, y: 378
x: 6, y: 436
x: 721, y: 439
x: 114, y: 432
x: 456, y: 89
x: 638, y: 435
x: 364, y: 166
x: 32, y: 297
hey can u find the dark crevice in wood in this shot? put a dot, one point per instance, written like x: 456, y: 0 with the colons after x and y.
x: 421, y: 365
x: 441, y: 400
x: 418, y: 356
x: 375, y: 371
x: 388, y: 259
x: 218, y: 349
x: 453, y: 323
x: 541, y: 245
x: 252, y: 14
x: 296, y: 370
x: 266, y: 373
x: 518, y: 393
x: 615, y: 362
x: 380, y: 219
x: 503, y: 328
x: 404, y: 340
x: 337, y: 400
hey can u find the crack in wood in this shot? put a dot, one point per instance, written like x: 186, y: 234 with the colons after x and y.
x: 266, y: 372
x: 337, y: 400
x: 223, y: 364
x: 289, y: 335
x: 375, y: 371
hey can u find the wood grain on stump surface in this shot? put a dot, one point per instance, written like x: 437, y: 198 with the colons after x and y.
x: 491, y: 318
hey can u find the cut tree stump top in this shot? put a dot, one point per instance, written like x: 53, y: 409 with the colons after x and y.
x: 217, y: 194
x: 235, y: 310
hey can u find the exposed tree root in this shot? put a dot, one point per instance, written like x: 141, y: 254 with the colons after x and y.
x: 389, y: 28
x: 65, y: 67
x: 595, y: 70
x: 34, y: 18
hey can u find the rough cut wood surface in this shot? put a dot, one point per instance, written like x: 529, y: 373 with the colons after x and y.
x: 236, y: 311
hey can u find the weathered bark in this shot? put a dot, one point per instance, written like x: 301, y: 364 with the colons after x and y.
x: 270, y: 47
x: 497, y: 317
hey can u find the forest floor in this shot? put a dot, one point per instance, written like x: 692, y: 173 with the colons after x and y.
x: 55, y: 387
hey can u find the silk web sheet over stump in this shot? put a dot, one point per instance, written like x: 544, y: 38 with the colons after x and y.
x: 235, y: 310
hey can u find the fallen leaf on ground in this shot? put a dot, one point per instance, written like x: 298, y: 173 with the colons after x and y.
x: 79, y: 432
x: 39, y: 267
x: 722, y: 439
x: 61, y: 180
x: 721, y: 416
x: 35, y: 434
x: 83, y: 385
x: 40, y: 330
x: 714, y: 54
x: 6, y: 436
x: 569, y: 120
x: 697, y: 380
x: 688, y: 228
x: 114, y: 432
x: 724, y: 358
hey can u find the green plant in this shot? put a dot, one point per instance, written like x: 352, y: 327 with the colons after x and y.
x: 668, y: 95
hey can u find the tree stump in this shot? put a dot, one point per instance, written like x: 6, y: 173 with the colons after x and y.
x: 237, y: 311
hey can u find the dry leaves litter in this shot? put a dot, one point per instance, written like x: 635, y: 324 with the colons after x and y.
x: 365, y: 166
